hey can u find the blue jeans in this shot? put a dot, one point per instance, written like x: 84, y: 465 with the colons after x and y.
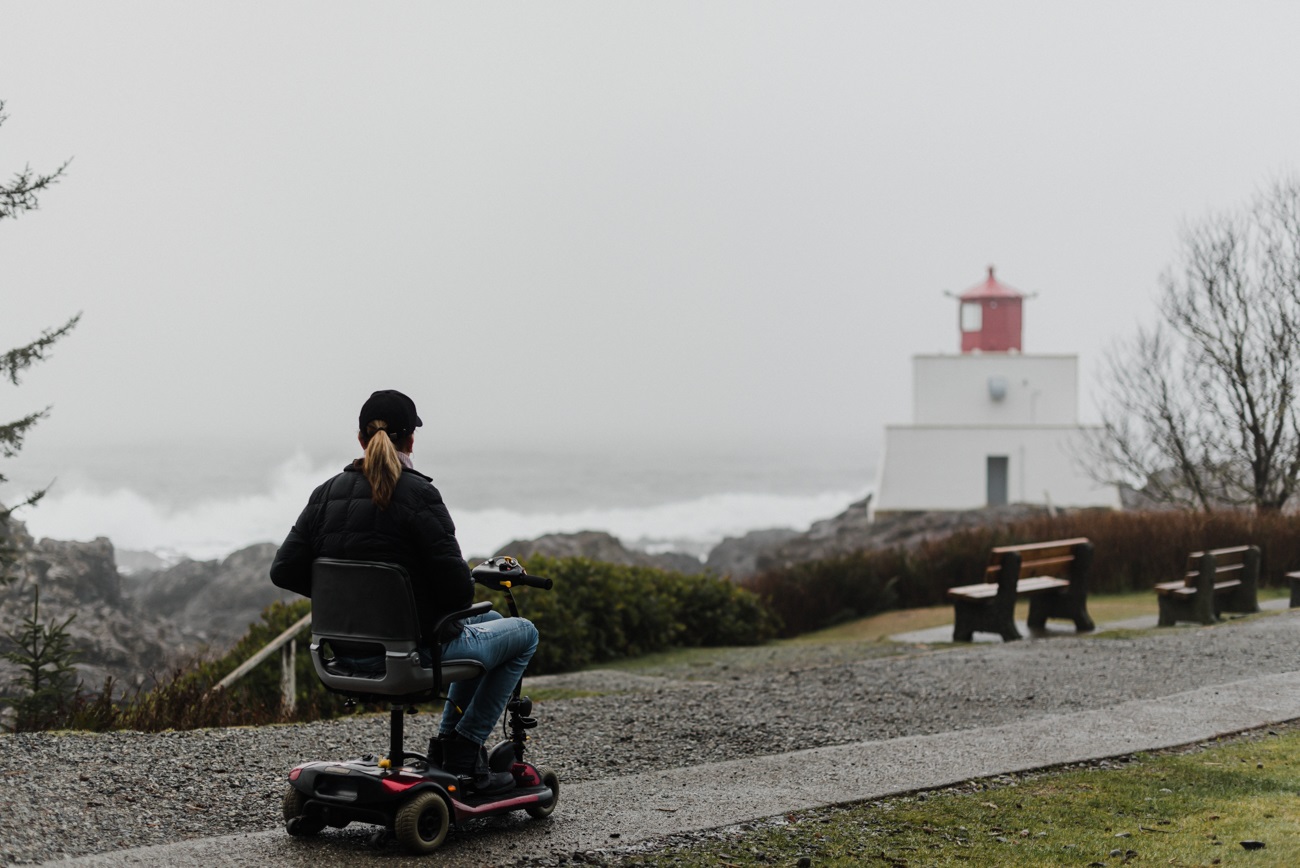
x: 504, y: 646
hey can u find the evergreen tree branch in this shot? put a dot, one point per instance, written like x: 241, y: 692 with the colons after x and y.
x: 18, y: 360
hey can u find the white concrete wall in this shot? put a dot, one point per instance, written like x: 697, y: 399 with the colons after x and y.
x: 954, y: 390
x: 927, y: 467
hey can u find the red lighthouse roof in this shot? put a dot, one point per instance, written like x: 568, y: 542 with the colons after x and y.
x: 990, y: 289
x: 990, y: 317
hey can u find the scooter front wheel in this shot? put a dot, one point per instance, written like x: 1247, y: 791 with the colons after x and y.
x: 421, y: 824
x: 543, y: 810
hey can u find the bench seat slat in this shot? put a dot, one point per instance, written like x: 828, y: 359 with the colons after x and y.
x: 1044, y: 563
x: 1030, y: 547
x: 987, y: 590
x: 1027, y: 567
x: 1181, y: 590
x: 1218, y: 553
x: 1225, y: 568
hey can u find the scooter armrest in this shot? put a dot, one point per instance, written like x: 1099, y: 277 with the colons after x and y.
x: 476, y: 609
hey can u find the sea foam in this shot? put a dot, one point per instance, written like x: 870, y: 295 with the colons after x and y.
x: 212, y: 527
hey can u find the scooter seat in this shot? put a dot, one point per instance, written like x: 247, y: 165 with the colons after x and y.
x: 373, y: 666
x: 366, y: 636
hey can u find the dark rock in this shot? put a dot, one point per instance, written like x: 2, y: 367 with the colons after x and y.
x: 853, y: 531
x: 597, y: 546
x: 84, y: 570
x: 80, y: 579
x: 738, y: 556
x: 212, y: 602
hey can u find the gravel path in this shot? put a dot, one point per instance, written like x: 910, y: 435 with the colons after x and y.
x: 68, y: 794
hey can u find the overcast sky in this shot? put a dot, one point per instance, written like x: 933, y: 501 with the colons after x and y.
x: 620, y: 222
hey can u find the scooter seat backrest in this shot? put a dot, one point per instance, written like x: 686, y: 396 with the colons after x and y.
x: 364, y: 601
x: 366, y: 633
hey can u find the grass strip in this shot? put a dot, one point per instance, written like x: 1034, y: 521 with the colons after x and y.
x: 1183, y: 807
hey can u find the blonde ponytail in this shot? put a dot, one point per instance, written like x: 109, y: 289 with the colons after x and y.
x: 381, y: 466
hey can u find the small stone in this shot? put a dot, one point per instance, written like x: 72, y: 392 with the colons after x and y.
x: 1253, y: 845
x: 1117, y: 852
x: 1123, y: 834
x: 804, y: 862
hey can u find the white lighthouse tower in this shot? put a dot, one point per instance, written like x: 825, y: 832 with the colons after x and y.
x: 991, y: 425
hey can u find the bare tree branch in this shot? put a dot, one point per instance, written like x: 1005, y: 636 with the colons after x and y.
x: 1203, y: 410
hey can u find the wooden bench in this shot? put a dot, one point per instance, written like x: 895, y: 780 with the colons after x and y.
x: 1217, y: 581
x: 1052, y: 574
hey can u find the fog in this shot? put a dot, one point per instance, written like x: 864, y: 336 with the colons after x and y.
x: 586, y: 224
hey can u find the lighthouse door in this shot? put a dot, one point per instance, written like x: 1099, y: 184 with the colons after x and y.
x: 997, y: 480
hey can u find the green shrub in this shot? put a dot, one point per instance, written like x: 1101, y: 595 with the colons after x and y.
x: 599, y: 612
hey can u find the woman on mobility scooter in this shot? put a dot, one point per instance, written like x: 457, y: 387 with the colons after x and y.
x: 381, y: 509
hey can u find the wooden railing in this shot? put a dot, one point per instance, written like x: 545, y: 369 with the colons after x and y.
x: 288, y: 663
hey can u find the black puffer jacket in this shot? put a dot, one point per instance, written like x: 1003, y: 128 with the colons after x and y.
x: 415, y: 531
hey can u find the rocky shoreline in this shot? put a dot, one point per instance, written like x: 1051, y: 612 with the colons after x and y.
x: 136, y: 625
x: 73, y: 793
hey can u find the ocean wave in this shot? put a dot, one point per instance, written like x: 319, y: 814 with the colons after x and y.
x: 214, y: 527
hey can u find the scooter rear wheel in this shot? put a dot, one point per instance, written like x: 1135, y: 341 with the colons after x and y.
x: 421, y: 824
x: 543, y: 810
x: 296, y: 821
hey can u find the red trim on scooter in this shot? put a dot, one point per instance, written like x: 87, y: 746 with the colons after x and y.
x: 469, y: 812
x: 525, y: 775
x: 399, y: 783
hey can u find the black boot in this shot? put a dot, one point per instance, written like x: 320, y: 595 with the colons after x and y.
x: 467, y: 759
x: 435, y: 748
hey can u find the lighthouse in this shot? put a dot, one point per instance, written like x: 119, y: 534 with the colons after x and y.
x: 991, y: 424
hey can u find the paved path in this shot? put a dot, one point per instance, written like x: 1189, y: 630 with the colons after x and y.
x: 621, y: 811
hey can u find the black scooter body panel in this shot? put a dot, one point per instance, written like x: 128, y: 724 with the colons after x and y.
x: 359, y: 790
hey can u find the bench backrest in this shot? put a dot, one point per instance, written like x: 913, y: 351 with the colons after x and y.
x: 1054, y: 558
x: 1237, y: 562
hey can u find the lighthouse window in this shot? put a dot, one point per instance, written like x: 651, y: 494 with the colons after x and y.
x: 972, y: 317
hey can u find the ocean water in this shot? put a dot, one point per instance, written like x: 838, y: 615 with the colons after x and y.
x: 205, y: 501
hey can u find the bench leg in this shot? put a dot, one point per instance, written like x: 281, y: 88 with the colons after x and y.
x: 985, y: 618
x: 1242, y: 600
x: 1167, y: 618
x: 1063, y: 605
x: 1203, y: 608
x: 1037, y: 613
x: 963, y: 627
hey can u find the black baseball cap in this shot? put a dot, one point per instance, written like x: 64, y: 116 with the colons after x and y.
x: 392, y: 407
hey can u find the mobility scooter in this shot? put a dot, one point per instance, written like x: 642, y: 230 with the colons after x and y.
x: 365, y: 645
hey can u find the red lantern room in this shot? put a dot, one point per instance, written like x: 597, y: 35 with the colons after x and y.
x: 990, y: 317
